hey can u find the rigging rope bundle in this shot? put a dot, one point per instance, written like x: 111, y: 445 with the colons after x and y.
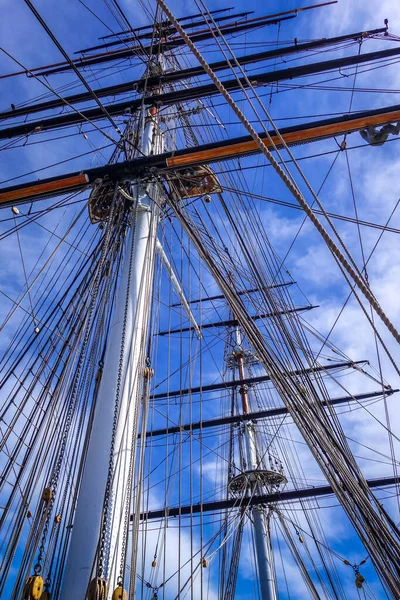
x: 378, y: 533
x: 55, y: 376
x: 290, y: 184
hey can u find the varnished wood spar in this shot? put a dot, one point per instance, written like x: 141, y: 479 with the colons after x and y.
x: 59, y: 186
x: 304, y: 135
x: 129, y: 170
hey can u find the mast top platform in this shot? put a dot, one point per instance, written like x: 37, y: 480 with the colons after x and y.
x: 252, y: 479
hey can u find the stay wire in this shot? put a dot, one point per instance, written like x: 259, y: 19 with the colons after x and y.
x: 47, y: 86
x: 74, y: 68
x: 349, y: 267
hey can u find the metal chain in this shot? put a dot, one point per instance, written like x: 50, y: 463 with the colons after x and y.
x: 110, y: 473
x: 86, y: 390
x: 120, y: 580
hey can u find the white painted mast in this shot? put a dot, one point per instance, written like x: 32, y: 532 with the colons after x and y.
x: 131, y: 322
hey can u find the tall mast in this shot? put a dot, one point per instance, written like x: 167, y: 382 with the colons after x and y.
x: 104, y: 496
x: 104, y: 470
x: 254, y: 480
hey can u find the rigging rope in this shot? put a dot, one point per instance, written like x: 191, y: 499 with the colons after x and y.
x: 337, y: 464
x: 287, y: 181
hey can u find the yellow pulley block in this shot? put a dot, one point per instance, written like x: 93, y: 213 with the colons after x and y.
x: 154, y: 563
x: 359, y: 581
x: 47, y: 494
x: 204, y: 563
x: 33, y: 588
x: 148, y: 373
x: 119, y: 593
x: 97, y: 589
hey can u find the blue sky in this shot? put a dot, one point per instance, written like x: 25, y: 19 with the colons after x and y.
x: 374, y: 173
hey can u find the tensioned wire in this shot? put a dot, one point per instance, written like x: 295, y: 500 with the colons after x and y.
x: 376, y: 338
x: 253, y: 107
x: 52, y: 329
x: 45, y: 363
x: 53, y: 281
x: 11, y: 312
x: 242, y: 208
x: 55, y: 330
x: 350, y: 267
x: 45, y: 453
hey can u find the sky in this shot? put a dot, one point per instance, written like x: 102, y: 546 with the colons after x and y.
x: 374, y: 177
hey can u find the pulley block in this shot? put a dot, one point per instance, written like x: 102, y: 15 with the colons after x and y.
x: 359, y: 581
x: 97, y: 589
x: 33, y: 588
x: 47, y: 494
x: 148, y: 373
x: 119, y: 593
